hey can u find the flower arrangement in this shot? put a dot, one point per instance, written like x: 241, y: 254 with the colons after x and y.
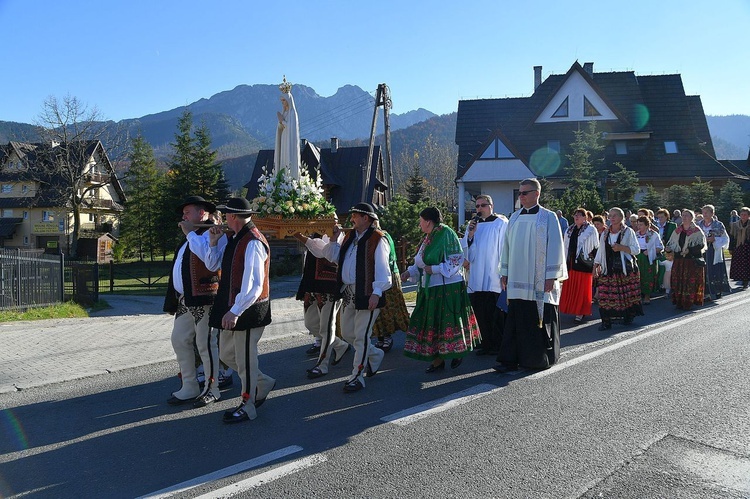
x: 289, y: 197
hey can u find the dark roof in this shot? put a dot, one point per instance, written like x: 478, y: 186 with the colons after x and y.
x: 341, y: 171
x: 8, y: 226
x: 672, y: 116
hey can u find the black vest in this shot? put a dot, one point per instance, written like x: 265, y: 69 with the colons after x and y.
x: 365, y: 267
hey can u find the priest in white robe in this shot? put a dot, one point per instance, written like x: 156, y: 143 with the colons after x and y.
x: 532, y: 268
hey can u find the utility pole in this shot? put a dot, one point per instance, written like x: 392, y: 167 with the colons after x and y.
x: 382, y: 98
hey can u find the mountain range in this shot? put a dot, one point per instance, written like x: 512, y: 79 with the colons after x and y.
x: 243, y: 120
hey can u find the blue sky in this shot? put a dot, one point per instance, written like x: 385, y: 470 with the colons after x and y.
x: 136, y: 57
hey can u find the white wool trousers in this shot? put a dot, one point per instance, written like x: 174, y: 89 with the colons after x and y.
x: 321, y: 322
x: 356, y: 328
x: 191, y: 326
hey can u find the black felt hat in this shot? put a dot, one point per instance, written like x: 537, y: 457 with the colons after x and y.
x: 365, y: 209
x: 196, y: 200
x: 237, y: 206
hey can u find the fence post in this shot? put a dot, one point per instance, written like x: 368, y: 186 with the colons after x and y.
x: 402, y: 254
x: 111, y: 276
x: 95, y: 283
x: 18, y: 276
x: 62, y: 277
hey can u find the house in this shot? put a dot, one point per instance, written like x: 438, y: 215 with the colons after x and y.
x: 35, y: 210
x: 647, y: 123
x: 342, y: 170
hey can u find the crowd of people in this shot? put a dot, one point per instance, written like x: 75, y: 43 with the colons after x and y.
x: 498, y: 290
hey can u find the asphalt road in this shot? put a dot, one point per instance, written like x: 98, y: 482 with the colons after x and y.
x: 658, y: 411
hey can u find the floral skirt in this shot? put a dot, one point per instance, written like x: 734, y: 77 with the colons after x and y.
x: 442, y: 325
x: 687, y: 283
x: 740, y: 269
x: 394, y: 316
x: 576, y: 293
x: 649, y: 274
x: 620, y: 295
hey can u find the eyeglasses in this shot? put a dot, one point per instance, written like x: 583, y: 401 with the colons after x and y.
x: 482, y: 205
x: 523, y: 193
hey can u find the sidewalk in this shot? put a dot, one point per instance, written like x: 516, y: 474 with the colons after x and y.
x: 133, y: 332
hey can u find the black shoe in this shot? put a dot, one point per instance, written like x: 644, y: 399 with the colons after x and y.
x: 259, y: 403
x: 236, y: 416
x: 456, y: 362
x: 204, y: 401
x: 175, y: 401
x: 353, y: 386
x: 336, y: 359
x: 386, y: 344
x: 315, y: 373
x: 225, y: 381
x: 434, y: 367
x: 718, y: 295
x: 504, y: 368
x: 369, y: 372
x: 313, y: 350
x: 604, y: 327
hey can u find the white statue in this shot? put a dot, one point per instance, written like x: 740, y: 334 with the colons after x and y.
x: 286, y: 152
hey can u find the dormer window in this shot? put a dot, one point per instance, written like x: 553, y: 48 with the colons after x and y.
x: 670, y: 147
x: 497, y: 150
x: 6, y: 188
x: 562, y: 110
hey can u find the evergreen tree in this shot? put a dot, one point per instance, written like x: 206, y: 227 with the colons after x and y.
x: 625, y: 186
x: 701, y: 193
x: 652, y: 200
x: 585, y: 159
x: 730, y: 198
x: 208, y: 171
x: 677, y: 197
x: 415, y: 184
x: 139, y: 231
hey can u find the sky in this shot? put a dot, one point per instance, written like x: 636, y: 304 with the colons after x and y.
x: 133, y: 58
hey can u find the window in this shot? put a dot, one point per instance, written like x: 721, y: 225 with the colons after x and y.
x: 589, y: 109
x: 7, y: 212
x: 25, y: 215
x: 6, y: 188
x: 621, y: 147
x: 47, y: 216
x: 562, y: 111
x: 553, y: 146
x: 497, y: 150
x: 24, y: 189
x: 670, y: 147
x: 91, y: 217
x: 25, y: 240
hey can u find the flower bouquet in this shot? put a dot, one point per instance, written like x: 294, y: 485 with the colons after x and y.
x: 287, y: 205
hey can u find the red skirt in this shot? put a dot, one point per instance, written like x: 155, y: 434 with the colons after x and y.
x: 576, y: 293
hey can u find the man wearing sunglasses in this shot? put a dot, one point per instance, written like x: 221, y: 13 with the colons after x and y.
x: 482, y: 245
x: 532, y: 268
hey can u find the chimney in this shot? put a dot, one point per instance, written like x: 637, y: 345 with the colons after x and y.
x: 334, y: 144
x: 537, y: 76
x: 589, y: 68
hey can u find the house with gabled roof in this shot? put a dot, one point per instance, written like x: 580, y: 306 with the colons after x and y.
x: 342, y: 170
x: 647, y: 123
x: 34, y: 214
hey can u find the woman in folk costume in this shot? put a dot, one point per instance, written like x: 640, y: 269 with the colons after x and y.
x: 739, y: 245
x: 394, y: 316
x: 688, y: 244
x: 582, y: 239
x: 717, y: 241
x: 650, y: 246
x: 443, y: 325
x: 619, y: 284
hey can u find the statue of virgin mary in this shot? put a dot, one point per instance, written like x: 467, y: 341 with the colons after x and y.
x: 286, y: 151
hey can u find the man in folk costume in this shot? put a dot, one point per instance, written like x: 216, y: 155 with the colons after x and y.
x: 318, y: 290
x: 482, y: 245
x: 191, y: 291
x: 532, y: 267
x: 242, y: 308
x: 363, y: 278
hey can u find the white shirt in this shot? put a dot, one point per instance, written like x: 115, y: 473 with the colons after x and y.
x: 199, y: 244
x: 382, y: 279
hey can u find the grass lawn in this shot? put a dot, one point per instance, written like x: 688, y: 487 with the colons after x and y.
x: 61, y: 311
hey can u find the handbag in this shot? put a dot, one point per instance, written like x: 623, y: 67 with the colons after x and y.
x: 584, y: 261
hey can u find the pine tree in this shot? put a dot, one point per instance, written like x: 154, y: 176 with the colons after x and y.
x: 415, y: 184
x: 677, y: 197
x: 701, y: 193
x: 139, y: 230
x: 625, y: 186
x: 652, y: 200
x: 584, y: 160
x: 730, y: 198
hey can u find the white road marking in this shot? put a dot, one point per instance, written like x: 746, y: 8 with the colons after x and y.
x: 264, y: 478
x: 223, y: 473
x: 408, y: 416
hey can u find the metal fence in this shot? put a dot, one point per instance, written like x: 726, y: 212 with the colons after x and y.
x: 29, y: 279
